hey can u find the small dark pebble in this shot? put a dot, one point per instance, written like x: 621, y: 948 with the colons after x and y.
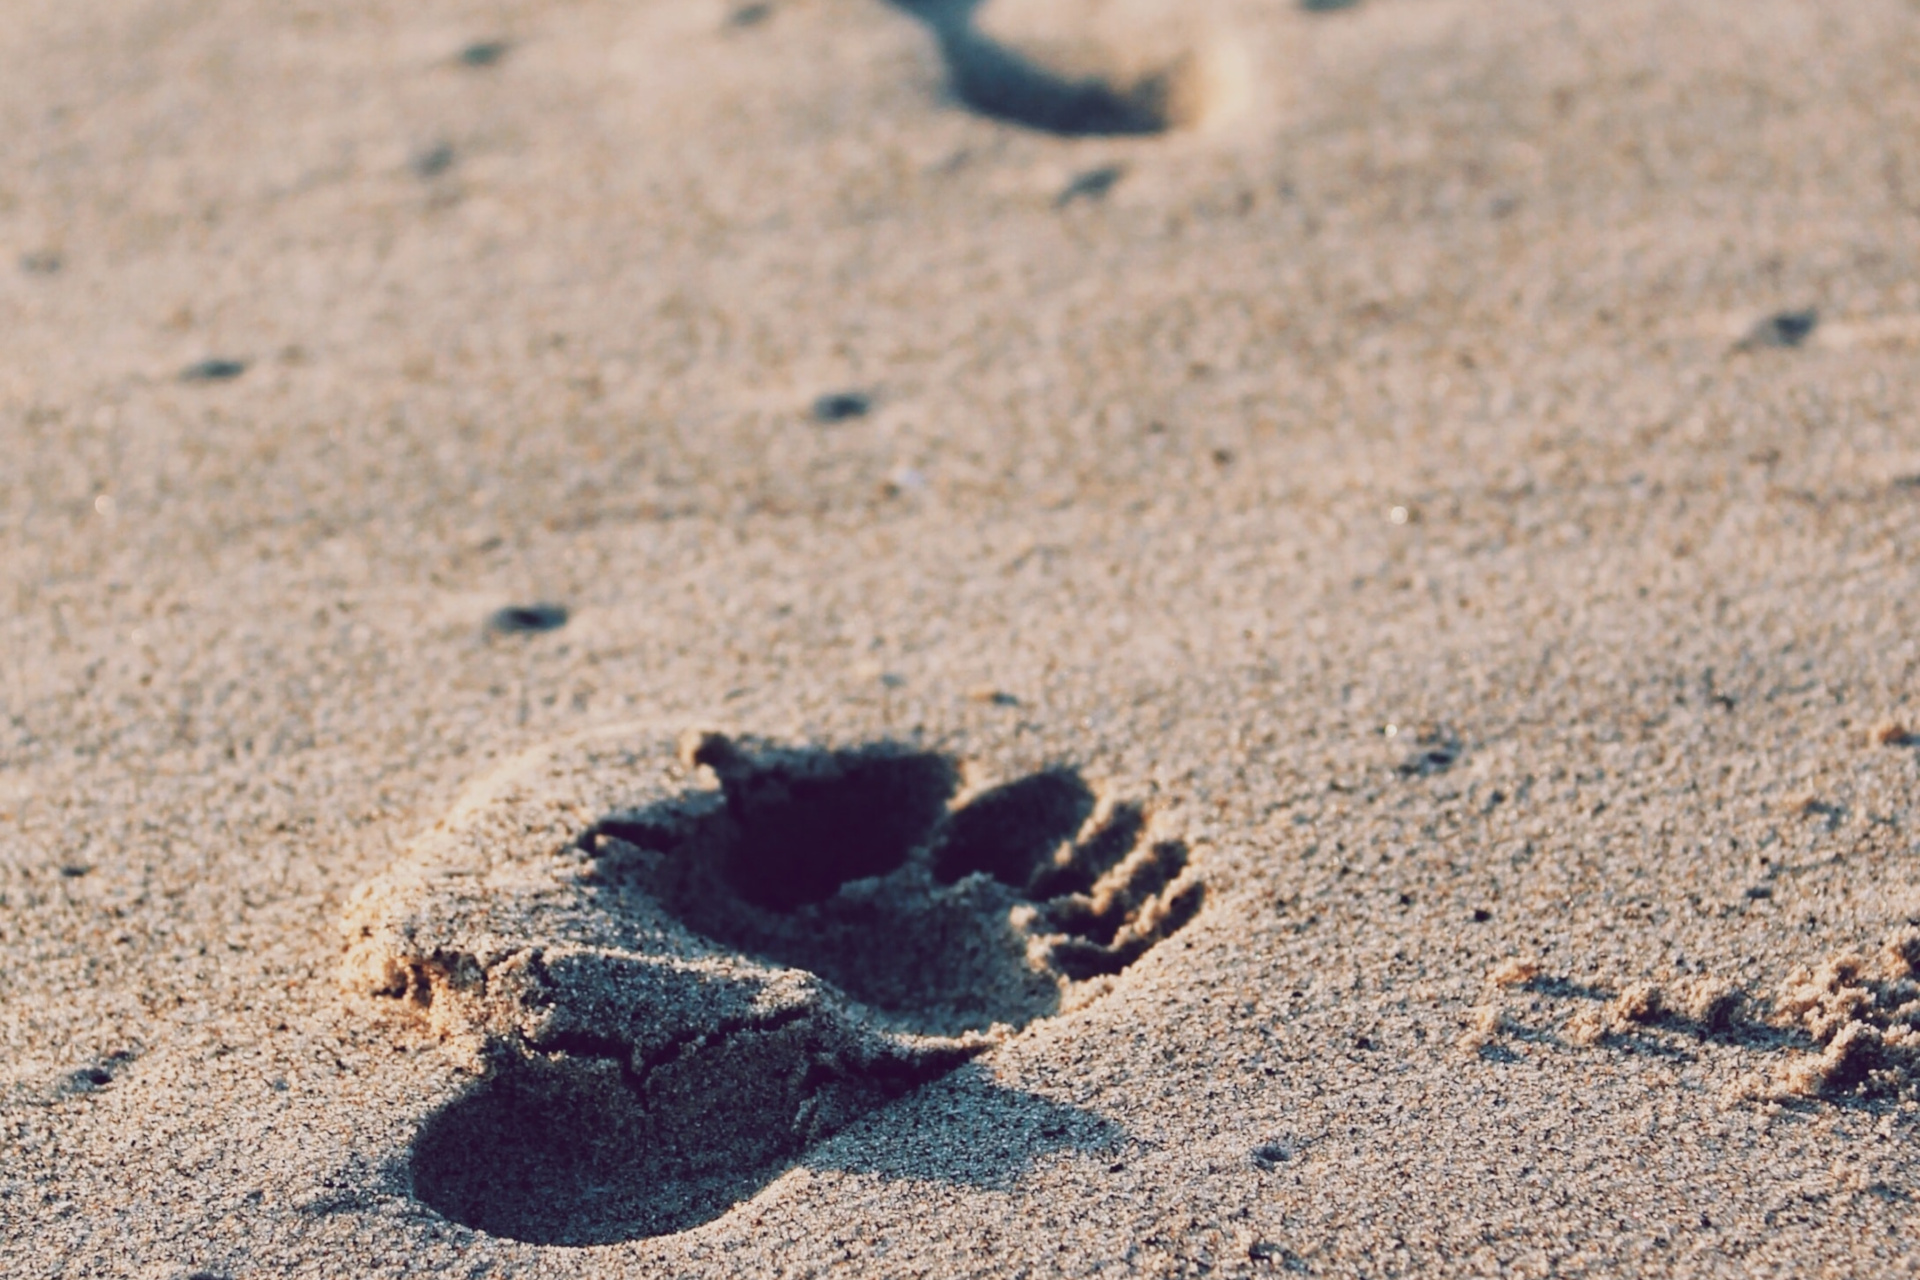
x: 74, y: 870
x: 1091, y: 185
x: 1223, y: 457
x: 434, y: 161
x: 484, y: 53
x: 87, y: 1079
x: 41, y: 264
x: 1269, y: 1154
x: 1907, y: 482
x: 1327, y: 6
x: 527, y: 619
x: 1436, y: 758
x: 215, y: 369
x: 842, y: 406
x: 1481, y: 915
x: 1760, y: 892
x: 1267, y: 1251
x: 750, y: 15
x: 1786, y: 329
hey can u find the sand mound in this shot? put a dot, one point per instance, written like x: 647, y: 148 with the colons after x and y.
x: 1864, y: 1013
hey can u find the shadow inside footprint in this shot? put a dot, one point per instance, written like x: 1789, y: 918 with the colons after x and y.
x: 997, y: 80
x: 1011, y: 831
x: 849, y: 865
x: 798, y: 835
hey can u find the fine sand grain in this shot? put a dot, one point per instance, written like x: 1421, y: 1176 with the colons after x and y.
x: 1038, y: 637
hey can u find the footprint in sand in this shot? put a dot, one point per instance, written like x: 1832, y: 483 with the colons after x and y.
x: 1088, y: 67
x: 680, y: 967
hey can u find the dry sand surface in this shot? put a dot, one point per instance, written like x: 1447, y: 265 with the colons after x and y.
x: 1214, y: 638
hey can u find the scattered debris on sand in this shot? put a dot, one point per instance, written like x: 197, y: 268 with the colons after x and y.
x: 1850, y: 1025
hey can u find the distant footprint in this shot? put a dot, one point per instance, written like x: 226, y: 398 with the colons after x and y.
x: 680, y: 968
x: 1086, y: 67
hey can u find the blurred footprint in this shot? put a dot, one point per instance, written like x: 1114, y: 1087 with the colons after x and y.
x: 1086, y: 67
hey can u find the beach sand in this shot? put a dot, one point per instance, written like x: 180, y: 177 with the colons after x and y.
x: 1219, y: 639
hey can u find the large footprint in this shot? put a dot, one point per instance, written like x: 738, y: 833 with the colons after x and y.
x: 682, y: 965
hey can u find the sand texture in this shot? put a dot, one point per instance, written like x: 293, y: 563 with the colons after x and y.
x: 1039, y: 637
